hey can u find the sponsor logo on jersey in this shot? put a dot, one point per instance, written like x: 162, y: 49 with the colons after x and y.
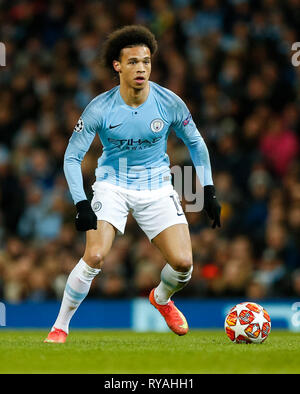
x: 134, y: 144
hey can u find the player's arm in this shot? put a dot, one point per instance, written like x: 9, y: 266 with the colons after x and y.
x: 79, y: 143
x: 186, y: 130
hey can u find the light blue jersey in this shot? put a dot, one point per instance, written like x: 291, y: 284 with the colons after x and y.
x: 134, y: 141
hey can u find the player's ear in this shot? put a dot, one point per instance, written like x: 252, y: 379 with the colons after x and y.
x: 116, y: 66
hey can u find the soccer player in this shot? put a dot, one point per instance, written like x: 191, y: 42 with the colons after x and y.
x: 133, y: 121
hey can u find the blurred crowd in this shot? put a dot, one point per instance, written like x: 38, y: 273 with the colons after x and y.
x: 230, y: 61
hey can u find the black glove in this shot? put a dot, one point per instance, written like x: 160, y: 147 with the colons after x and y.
x: 85, y: 218
x: 211, y: 205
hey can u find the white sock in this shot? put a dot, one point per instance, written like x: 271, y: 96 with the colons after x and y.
x: 77, y: 288
x: 171, y: 282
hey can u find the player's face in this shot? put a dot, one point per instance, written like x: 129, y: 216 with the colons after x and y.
x: 134, y: 66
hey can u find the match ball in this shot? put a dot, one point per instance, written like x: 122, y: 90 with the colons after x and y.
x: 247, y: 322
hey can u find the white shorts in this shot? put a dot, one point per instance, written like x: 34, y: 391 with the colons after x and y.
x: 153, y: 210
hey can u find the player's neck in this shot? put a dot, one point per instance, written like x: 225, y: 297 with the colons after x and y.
x: 134, y: 97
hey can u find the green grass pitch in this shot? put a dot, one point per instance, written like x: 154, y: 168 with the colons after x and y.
x: 128, y: 352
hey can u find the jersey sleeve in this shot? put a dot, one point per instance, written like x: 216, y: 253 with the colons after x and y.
x: 79, y: 143
x: 187, y: 131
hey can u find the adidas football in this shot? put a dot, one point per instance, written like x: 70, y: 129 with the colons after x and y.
x: 247, y: 322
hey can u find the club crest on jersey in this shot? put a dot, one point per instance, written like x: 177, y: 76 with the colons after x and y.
x: 97, y: 206
x: 157, y: 125
x: 79, y: 126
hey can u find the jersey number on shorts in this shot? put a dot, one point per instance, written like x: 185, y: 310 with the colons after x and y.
x: 177, y: 204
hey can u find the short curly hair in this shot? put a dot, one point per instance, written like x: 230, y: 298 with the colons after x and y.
x: 125, y: 37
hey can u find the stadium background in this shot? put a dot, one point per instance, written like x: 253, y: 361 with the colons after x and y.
x: 230, y: 61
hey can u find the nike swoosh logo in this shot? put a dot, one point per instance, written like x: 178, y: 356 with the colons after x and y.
x: 112, y: 127
x: 185, y: 324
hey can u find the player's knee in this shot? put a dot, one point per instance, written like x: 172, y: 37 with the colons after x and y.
x: 94, y: 258
x: 183, y: 263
